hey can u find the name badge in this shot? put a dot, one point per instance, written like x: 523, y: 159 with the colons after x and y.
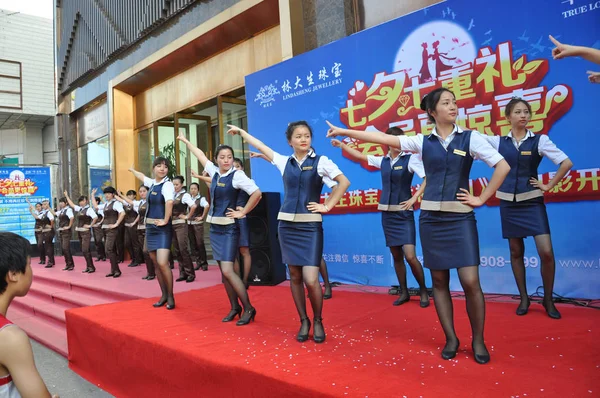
x: 459, y: 152
x: 307, y: 168
x: 154, y: 193
x: 397, y: 167
x: 525, y: 152
x: 220, y: 184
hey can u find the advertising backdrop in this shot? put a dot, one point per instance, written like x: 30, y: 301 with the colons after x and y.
x: 16, y: 185
x: 485, y: 54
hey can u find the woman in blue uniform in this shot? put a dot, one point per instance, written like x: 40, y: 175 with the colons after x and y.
x: 521, y: 195
x: 300, y: 229
x: 448, y: 228
x: 227, y: 182
x: 158, y: 226
x: 396, y: 206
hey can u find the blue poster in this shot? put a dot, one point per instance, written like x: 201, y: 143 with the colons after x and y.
x: 375, y: 79
x: 99, y: 179
x: 17, y: 184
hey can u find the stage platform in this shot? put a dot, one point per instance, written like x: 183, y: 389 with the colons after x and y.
x: 373, y: 349
x: 53, y: 291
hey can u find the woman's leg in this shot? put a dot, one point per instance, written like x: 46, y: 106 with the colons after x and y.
x: 517, y: 251
x: 417, y: 270
x: 445, y: 311
x: 469, y: 279
x: 546, y: 253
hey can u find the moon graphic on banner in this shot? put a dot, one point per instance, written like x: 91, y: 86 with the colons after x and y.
x: 443, y: 45
x: 17, y: 175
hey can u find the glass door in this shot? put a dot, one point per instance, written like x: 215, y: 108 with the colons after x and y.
x: 232, y: 110
x: 165, y: 139
x: 197, y: 129
x: 145, y: 150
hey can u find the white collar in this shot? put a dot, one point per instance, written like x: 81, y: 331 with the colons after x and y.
x: 180, y: 192
x: 456, y: 129
x: 528, y: 134
x: 309, y: 154
x: 402, y: 153
x: 161, y: 181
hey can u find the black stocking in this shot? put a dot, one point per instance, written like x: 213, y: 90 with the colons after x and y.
x: 544, y: 248
x: 417, y: 270
x: 443, y: 306
x: 325, y: 276
x: 517, y: 251
x: 297, y: 287
x: 469, y: 279
x: 400, y: 269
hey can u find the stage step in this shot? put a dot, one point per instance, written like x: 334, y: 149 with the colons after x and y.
x: 39, y: 329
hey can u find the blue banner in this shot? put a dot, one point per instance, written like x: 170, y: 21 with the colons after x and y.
x: 376, y: 78
x: 99, y: 179
x: 17, y: 184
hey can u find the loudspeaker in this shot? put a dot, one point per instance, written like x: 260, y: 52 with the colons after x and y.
x: 267, y: 267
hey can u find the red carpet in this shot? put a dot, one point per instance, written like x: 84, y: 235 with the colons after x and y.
x: 373, y: 349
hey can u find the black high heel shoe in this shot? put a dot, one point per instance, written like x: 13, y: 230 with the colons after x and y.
x: 302, y: 337
x: 448, y: 354
x: 112, y: 274
x: 117, y: 274
x: 171, y: 303
x: 318, y: 337
x: 232, y: 314
x: 481, y: 359
x: 523, y: 310
x: 247, y: 317
x: 160, y: 302
x: 553, y: 313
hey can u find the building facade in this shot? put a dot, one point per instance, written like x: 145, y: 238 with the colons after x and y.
x: 131, y: 76
x: 27, y: 91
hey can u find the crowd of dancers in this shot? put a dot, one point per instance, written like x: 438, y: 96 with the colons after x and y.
x: 167, y: 220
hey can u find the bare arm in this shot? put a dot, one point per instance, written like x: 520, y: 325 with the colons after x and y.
x: 91, y: 225
x: 408, y: 204
x: 205, y: 213
x: 93, y: 200
x: 251, y: 204
x: 375, y: 137
x: 168, y: 213
x: 191, y: 212
x: 69, y: 201
x: 562, y: 171
x: 71, y: 221
x: 501, y: 170
x: 350, y: 151
x: 336, y: 194
x: 566, y: 50
x: 255, y: 142
x: 140, y: 176
x: 258, y: 155
x: 119, y: 220
x: 17, y: 356
x: 198, y: 153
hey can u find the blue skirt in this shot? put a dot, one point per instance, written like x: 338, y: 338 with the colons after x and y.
x: 301, y: 243
x: 449, y: 240
x: 523, y: 219
x: 244, y: 232
x: 224, y: 241
x: 398, y: 228
x: 158, y: 237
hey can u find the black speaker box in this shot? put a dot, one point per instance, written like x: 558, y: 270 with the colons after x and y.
x: 267, y: 267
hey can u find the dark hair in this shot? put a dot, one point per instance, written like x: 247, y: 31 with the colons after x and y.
x: 221, y: 148
x: 45, y: 201
x: 394, y: 131
x: 63, y: 200
x: 512, y: 103
x: 292, y: 127
x: 238, y: 161
x: 430, y: 101
x: 38, y: 203
x: 109, y: 190
x: 180, y: 178
x: 131, y: 192
x: 161, y: 160
x: 98, y: 200
x: 14, y: 250
x: 82, y: 197
x: 196, y: 184
x: 143, y: 186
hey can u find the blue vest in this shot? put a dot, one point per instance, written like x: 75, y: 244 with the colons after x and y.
x: 395, y: 181
x: 447, y: 170
x: 301, y: 185
x: 156, y: 202
x: 223, y: 195
x: 523, y: 164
